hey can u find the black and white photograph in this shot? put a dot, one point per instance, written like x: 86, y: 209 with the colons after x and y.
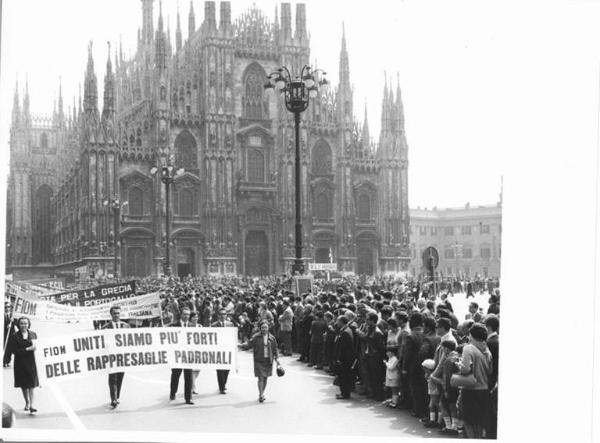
x: 304, y: 215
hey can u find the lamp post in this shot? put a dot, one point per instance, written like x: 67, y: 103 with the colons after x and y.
x: 115, y: 206
x: 167, y: 176
x: 297, y: 92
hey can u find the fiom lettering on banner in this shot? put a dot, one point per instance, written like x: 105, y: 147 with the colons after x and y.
x: 95, y: 296
x: 140, y: 307
x: 129, y: 350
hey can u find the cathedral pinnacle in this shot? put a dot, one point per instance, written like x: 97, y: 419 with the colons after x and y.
x: 109, y: 89
x: 90, y: 87
x: 191, y: 21
x: 178, y: 31
x: 16, y: 111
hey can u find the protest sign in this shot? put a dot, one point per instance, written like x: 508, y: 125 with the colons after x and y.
x: 27, y: 290
x: 83, y: 354
x: 140, y: 307
x: 94, y: 296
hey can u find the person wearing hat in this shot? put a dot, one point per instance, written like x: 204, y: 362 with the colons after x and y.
x: 222, y: 374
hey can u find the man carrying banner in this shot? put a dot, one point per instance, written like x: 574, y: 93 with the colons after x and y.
x: 188, y: 381
x: 222, y: 374
x: 115, y: 379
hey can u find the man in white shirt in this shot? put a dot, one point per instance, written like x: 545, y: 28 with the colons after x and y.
x: 115, y: 379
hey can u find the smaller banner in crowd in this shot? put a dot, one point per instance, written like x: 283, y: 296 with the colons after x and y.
x: 127, y: 350
x: 27, y: 290
x: 94, y: 296
x: 140, y: 307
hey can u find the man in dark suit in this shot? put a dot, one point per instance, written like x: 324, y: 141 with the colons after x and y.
x: 492, y: 324
x: 9, y: 329
x: 188, y: 381
x: 115, y: 379
x: 344, y: 358
x: 374, y: 351
x: 222, y: 374
x: 411, y: 365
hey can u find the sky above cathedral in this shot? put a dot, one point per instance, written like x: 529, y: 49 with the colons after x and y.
x: 476, y: 77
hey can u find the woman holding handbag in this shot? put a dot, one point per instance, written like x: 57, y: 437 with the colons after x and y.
x: 264, y: 348
x: 476, y: 366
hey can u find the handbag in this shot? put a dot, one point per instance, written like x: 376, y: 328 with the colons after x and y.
x: 280, y: 371
x: 463, y: 381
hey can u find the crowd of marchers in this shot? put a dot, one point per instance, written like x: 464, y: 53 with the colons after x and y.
x: 393, y: 341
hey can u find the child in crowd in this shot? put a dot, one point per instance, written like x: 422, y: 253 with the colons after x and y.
x: 392, y: 376
x: 448, y: 394
x: 433, y: 390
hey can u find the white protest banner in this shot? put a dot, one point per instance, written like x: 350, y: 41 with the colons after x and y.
x: 83, y: 354
x: 140, y: 307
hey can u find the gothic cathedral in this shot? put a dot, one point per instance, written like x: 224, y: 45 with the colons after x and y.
x: 200, y: 105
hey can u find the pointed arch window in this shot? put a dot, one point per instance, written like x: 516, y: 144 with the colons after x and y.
x: 322, y: 162
x: 44, y: 141
x: 364, y: 208
x: 186, y: 149
x: 186, y: 203
x: 136, y: 202
x: 253, y: 99
x: 256, y: 166
x: 323, y: 210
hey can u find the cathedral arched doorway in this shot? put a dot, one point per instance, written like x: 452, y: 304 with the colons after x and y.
x: 185, y: 262
x: 42, y: 225
x: 256, y: 254
x: 364, y: 263
x: 136, y: 262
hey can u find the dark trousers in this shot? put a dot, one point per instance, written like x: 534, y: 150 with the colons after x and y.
x: 316, y: 353
x: 187, y: 382
x: 346, y: 379
x: 376, y: 371
x: 222, y: 375
x: 115, y: 381
x: 286, y: 340
x: 418, y: 392
x: 493, y: 428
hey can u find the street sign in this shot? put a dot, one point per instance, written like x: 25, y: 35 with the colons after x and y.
x: 322, y: 267
x: 431, y: 258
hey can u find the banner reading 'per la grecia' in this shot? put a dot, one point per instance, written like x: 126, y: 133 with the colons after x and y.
x: 83, y: 354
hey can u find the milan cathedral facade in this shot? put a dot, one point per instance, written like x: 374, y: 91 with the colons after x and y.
x: 199, y: 104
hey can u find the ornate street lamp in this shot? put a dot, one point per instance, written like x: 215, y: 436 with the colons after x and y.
x: 167, y: 176
x: 297, y: 92
x: 115, y: 206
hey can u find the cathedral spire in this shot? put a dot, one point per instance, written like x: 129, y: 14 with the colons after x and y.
x: 286, y: 21
x: 178, y: 31
x: 366, y: 137
x: 61, y: 112
x: 26, y: 115
x: 191, y: 21
x: 210, y: 20
x: 148, y: 28
x: 90, y: 87
x: 399, y: 108
x: 160, y: 55
x: 109, y: 90
x: 385, y: 107
x: 344, y: 63
x: 16, y: 110
x: 225, y: 17
x: 300, y: 33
